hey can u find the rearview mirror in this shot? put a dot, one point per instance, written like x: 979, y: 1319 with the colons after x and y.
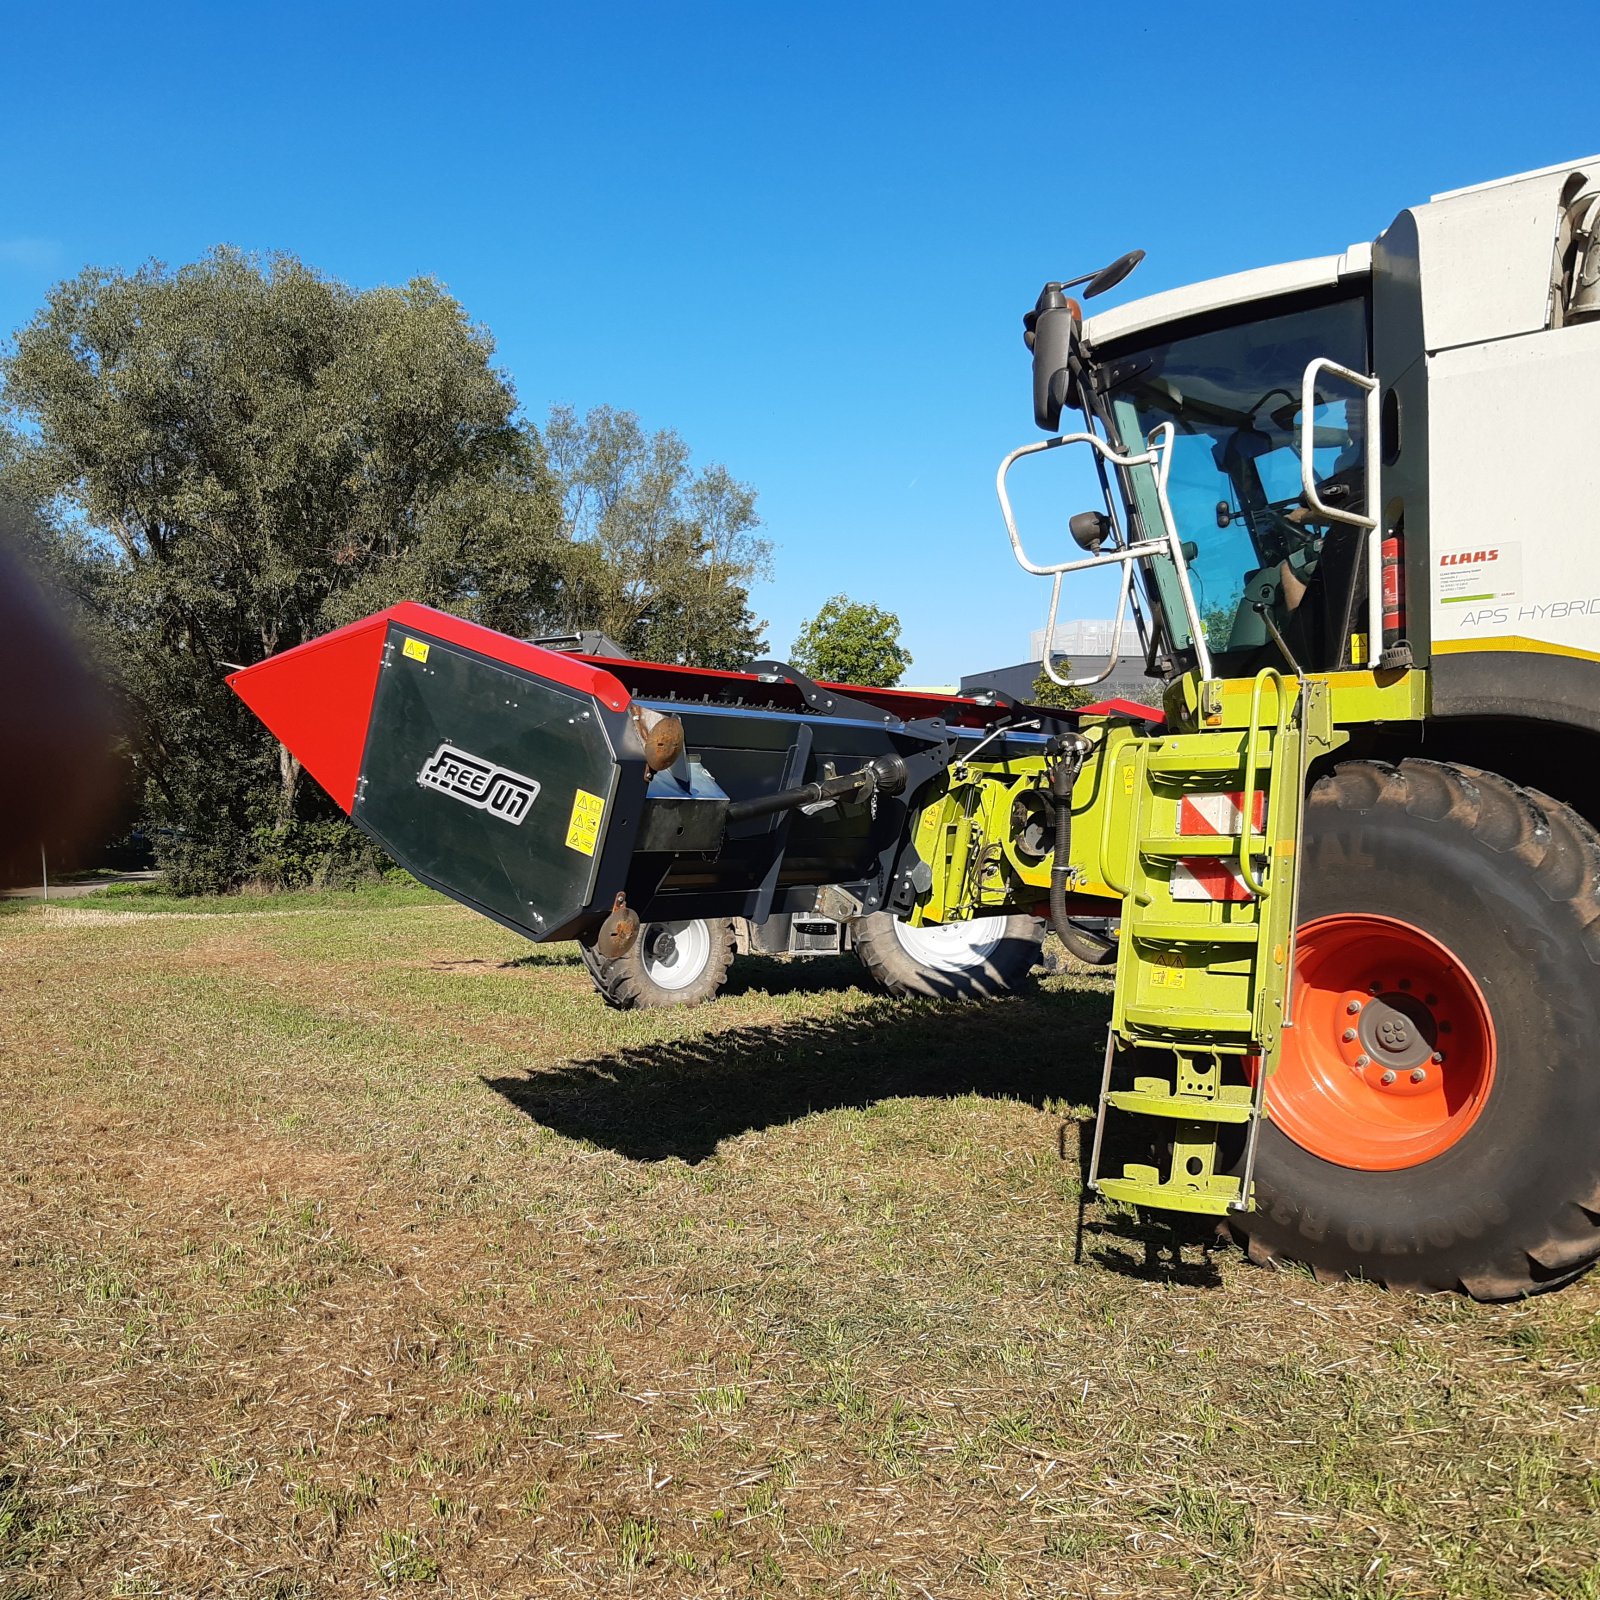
x: 1049, y: 331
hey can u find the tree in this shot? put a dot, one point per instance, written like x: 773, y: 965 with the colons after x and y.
x: 1047, y: 692
x: 850, y: 642
x: 668, y: 553
x: 242, y: 454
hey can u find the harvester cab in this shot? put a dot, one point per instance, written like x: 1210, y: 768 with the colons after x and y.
x: 1353, y: 861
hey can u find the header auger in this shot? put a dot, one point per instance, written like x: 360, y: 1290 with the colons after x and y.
x: 1356, y: 993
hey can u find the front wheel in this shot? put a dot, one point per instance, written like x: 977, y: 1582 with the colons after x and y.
x: 670, y: 964
x: 976, y: 960
x: 1435, y: 1113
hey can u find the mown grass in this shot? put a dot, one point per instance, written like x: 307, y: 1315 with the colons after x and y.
x: 362, y: 1251
x: 391, y: 892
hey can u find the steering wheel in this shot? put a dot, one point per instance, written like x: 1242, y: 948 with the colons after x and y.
x: 1292, y: 523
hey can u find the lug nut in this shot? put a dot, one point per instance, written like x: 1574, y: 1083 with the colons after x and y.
x: 1418, y: 1075
x: 1353, y: 1007
x: 1387, y: 1078
x: 1405, y: 983
x: 1349, y: 1035
x: 1438, y: 1058
x: 1366, y: 1061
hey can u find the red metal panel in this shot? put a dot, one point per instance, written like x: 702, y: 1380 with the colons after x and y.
x: 317, y: 698
x: 574, y: 671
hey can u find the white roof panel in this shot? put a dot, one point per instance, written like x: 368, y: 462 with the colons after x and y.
x: 1217, y: 294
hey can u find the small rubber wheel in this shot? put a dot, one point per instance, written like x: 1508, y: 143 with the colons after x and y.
x: 1434, y: 1111
x: 670, y: 964
x: 977, y: 960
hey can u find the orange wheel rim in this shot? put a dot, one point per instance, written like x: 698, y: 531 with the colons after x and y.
x: 1391, y: 1054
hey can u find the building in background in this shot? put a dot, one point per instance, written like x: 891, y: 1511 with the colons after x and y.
x: 1086, y: 644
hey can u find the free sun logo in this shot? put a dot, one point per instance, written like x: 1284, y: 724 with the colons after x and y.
x: 479, y: 783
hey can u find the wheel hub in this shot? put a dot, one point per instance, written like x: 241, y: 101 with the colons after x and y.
x: 1398, y: 1031
x: 1392, y: 1049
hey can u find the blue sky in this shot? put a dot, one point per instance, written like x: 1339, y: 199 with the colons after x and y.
x: 801, y: 236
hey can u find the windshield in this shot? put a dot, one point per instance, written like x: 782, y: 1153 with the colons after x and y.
x: 1233, y: 398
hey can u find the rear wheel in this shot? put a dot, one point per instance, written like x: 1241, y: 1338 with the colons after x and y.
x: 1435, y: 1115
x: 671, y: 964
x: 976, y: 960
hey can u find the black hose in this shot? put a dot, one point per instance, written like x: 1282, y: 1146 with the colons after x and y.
x: 1062, y: 777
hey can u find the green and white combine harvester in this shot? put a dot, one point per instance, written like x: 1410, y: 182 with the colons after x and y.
x: 1351, y: 504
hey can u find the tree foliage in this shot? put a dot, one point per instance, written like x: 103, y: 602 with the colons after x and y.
x: 237, y: 455
x: 851, y: 642
x: 1047, y: 692
x: 670, y: 553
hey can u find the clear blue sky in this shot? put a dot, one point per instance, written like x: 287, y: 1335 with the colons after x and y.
x: 801, y: 236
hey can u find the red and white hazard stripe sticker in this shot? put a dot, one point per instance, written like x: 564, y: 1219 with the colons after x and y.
x: 1208, y: 878
x: 1216, y: 815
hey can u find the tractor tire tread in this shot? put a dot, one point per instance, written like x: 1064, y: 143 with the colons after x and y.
x: 1559, y: 852
x: 897, y: 972
x: 624, y: 984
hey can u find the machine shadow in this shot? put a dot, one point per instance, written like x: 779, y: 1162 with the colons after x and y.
x: 681, y: 1098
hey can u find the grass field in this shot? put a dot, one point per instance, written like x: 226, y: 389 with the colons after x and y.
x: 353, y: 1248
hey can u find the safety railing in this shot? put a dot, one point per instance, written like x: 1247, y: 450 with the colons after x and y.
x: 1157, y: 458
x: 1308, y: 483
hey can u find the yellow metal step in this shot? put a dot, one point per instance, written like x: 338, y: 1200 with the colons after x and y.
x: 1196, y: 932
x: 1198, y: 844
x: 1172, y: 1019
x: 1140, y: 1186
x: 1152, y: 1097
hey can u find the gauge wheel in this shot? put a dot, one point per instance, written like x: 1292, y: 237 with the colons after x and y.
x: 977, y: 960
x: 1435, y: 1109
x: 670, y: 964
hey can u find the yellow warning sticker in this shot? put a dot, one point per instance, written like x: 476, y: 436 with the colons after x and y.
x: 583, y: 831
x: 1163, y: 976
x: 1127, y: 780
x: 417, y: 649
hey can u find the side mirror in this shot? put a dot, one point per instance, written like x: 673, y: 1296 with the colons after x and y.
x: 1049, y: 331
x: 1110, y: 277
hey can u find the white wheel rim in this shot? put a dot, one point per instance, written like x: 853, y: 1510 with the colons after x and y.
x: 691, y: 953
x: 952, y: 946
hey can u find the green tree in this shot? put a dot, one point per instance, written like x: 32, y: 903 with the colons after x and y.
x: 851, y: 642
x: 242, y: 454
x: 1047, y: 692
x: 667, y: 553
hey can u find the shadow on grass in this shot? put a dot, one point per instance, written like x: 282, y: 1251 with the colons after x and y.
x: 681, y: 1098
x: 752, y: 974
x: 684, y: 1097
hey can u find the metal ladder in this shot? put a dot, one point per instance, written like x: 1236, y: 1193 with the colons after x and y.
x: 1208, y: 851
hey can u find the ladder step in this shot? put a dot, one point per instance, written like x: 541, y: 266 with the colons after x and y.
x: 1196, y: 844
x: 1192, y: 932
x: 1204, y: 763
x: 1141, y: 1186
x: 1190, y: 1023
x: 1151, y: 1097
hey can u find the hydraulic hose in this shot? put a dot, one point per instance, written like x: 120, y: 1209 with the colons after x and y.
x: 1069, y: 761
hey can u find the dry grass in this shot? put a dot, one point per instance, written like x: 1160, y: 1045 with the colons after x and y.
x: 361, y: 1251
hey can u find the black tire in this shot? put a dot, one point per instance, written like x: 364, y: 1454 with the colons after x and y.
x: 648, y: 975
x: 993, y: 959
x: 1504, y: 879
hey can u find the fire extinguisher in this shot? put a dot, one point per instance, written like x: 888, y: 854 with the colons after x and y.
x: 1394, y: 587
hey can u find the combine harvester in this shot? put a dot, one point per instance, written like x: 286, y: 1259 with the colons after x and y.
x: 1357, y: 1002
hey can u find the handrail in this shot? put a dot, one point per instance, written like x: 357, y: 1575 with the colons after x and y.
x: 1258, y: 887
x: 1369, y: 520
x: 1158, y: 457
